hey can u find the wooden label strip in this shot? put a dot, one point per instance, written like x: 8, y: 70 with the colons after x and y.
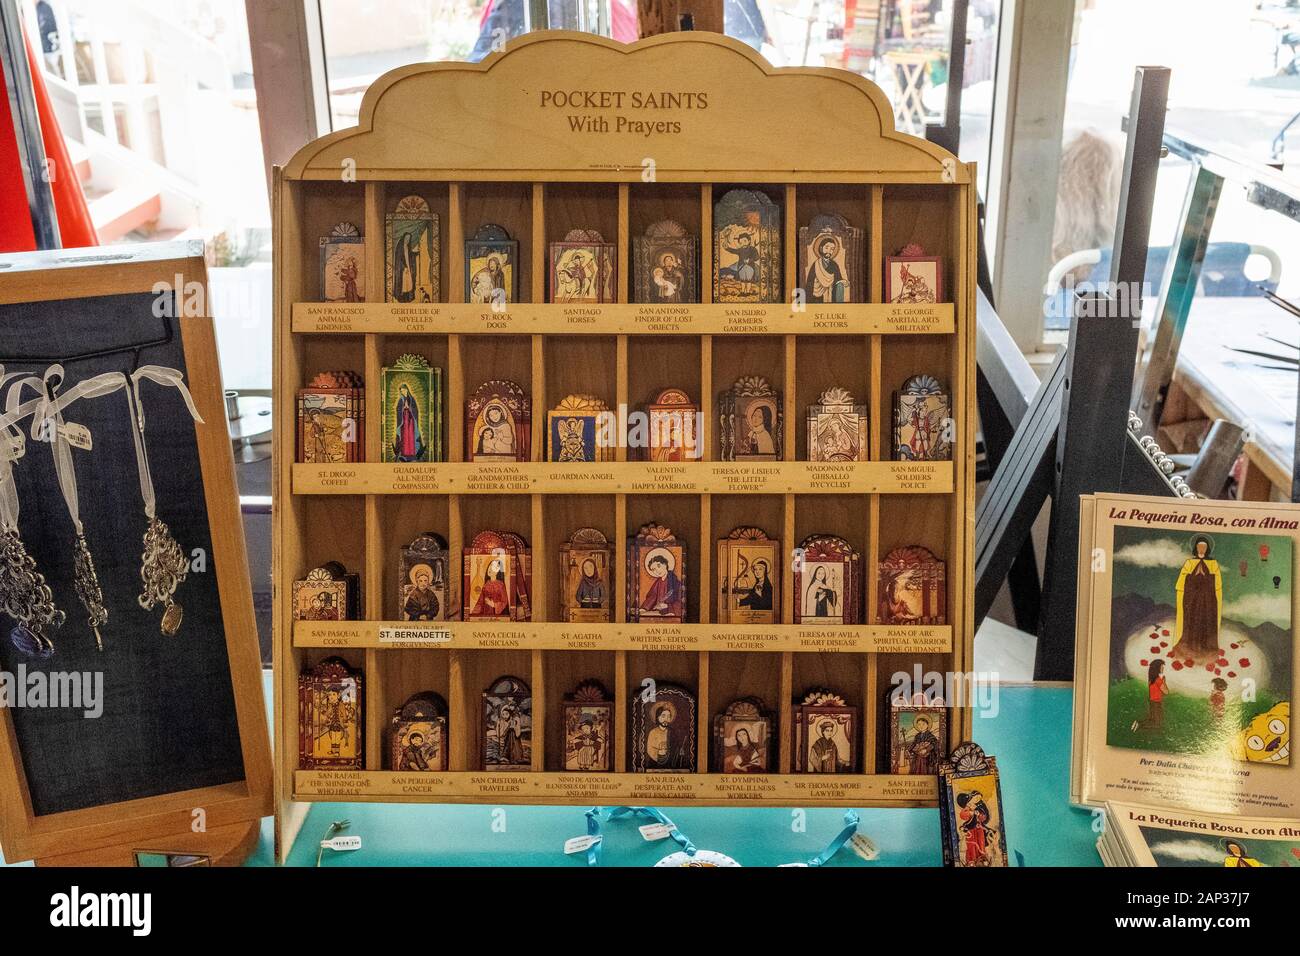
x: 352, y: 318
x: 626, y: 477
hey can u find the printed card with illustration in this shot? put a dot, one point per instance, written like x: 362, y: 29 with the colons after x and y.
x: 1186, y: 658
x: 1141, y: 836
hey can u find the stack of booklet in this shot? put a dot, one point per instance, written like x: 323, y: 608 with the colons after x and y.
x: 1185, y: 669
x: 1140, y: 836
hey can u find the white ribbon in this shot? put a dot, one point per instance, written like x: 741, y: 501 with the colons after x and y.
x: 163, y: 376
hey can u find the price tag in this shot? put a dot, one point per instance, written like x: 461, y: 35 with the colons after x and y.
x: 78, y: 436
x: 864, y: 846
x: 342, y: 843
x: 657, y: 831
x: 581, y: 844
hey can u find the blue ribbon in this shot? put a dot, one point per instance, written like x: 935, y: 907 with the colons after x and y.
x: 843, y: 837
x: 648, y: 813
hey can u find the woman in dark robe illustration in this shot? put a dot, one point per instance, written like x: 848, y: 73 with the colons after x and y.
x: 761, y: 441
x: 493, y: 598
x: 1200, y: 600
x: 820, y: 596
x: 759, y: 596
x: 406, y: 269
x: 407, y: 443
x: 590, y: 592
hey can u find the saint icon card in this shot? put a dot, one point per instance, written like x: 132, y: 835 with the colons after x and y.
x: 412, y: 252
x: 422, y: 587
x: 656, y: 584
x: 970, y: 809
x: 507, y: 725
x: 826, y: 730
x: 498, y: 423
x: 913, y: 587
x: 751, y: 421
x: 912, y: 277
x: 742, y: 736
x: 580, y: 428
x: 673, y: 421
x: 491, y: 267
x: 923, y: 422
x: 827, y: 582
x: 918, y: 738
x: 412, y: 397
x: 746, y: 248
x: 831, y: 260
x: 582, y: 268
x: 330, y: 713
x: 497, y: 570
x: 588, y: 721
x: 585, y: 564
x: 343, y: 264
x: 417, y: 734
x: 664, y: 264
x: 663, y: 729
x: 749, y: 578
x: 837, y: 428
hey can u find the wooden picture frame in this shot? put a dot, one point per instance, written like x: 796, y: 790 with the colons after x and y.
x: 922, y: 421
x: 498, y: 423
x: 751, y: 420
x: 497, y: 572
x: 826, y: 734
x: 827, y: 582
x: 423, y: 576
x: 331, y: 715
x: 749, y: 577
x: 832, y: 261
x: 411, y: 394
x: 663, y: 730
x: 491, y: 267
x: 665, y: 264
x: 343, y: 265
x: 586, y: 578
x: 913, y: 587
x: 673, y: 422
x: 656, y: 577
x: 417, y: 735
x: 578, y: 429
x: 583, y: 268
x: 970, y: 809
x: 743, y: 741
x: 918, y: 738
x: 75, y: 290
x: 412, y: 252
x: 587, y: 716
x: 506, y: 725
x: 747, y: 248
x: 837, y: 427
x: 913, y: 278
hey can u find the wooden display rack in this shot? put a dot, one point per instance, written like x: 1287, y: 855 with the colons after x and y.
x: 479, y: 144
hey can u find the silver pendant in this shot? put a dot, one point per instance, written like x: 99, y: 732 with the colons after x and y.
x: 86, y: 584
x: 26, y: 598
x: 163, y: 566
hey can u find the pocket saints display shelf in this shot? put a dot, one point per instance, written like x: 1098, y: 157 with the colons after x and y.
x: 694, y: 488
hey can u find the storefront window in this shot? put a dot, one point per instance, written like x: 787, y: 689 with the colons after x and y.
x: 156, y: 102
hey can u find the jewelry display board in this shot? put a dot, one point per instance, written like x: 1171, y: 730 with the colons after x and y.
x: 564, y: 132
x: 175, y: 756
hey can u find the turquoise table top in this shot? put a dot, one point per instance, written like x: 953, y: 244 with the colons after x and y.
x: 1029, y: 735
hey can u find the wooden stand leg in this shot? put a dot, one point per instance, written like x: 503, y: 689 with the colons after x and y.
x: 224, y: 846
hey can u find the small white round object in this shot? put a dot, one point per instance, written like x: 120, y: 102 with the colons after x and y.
x: 700, y: 858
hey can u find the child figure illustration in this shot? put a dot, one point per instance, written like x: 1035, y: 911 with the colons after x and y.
x: 1157, y: 687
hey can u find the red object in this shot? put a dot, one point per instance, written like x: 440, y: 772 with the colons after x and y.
x: 1263, y: 552
x: 76, y: 228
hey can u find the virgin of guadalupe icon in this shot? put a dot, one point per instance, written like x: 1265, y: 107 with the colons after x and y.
x: 1199, y: 597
